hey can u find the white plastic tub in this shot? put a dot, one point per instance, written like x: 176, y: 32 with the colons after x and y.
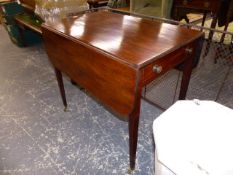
x: 194, y: 138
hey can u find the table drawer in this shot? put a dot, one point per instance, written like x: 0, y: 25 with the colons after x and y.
x: 162, y: 65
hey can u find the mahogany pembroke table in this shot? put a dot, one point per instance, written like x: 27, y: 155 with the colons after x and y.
x: 113, y: 56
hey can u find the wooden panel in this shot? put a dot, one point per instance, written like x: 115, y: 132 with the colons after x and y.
x: 20, y: 20
x: 29, y: 4
x: 110, y: 81
x: 198, y: 4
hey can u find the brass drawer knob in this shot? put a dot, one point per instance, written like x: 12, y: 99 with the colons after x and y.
x: 157, y: 69
x: 189, y: 51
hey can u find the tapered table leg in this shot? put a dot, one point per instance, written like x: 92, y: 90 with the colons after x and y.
x: 187, y: 70
x: 133, y: 131
x: 61, y: 87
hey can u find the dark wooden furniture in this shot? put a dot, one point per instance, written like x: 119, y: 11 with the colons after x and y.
x: 114, y: 58
x: 202, y: 6
x: 215, y: 7
x: 1, y: 11
x: 97, y: 3
x: 28, y: 20
x: 28, y: 5
x: 228, y: 18
x: 31, y: 24
x: 101, y: 3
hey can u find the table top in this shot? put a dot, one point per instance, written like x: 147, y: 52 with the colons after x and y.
x: 126, y: 38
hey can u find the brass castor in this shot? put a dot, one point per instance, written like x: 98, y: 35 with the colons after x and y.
x: 65, y: 109
x: 130, y: 170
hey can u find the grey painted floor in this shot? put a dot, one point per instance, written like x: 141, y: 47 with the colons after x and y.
x: 38, y: 138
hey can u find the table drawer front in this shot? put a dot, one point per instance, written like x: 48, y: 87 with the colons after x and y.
x: 162, y: 65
